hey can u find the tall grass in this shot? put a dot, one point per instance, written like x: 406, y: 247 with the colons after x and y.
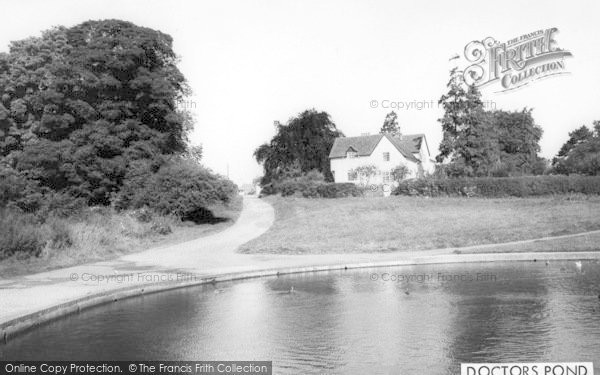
x: 90, y: 232
x: 20, y: 235
x: 30, y: 244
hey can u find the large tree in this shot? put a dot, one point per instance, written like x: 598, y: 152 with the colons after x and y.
x: 581, y: 153
x: 518, y: 138
x: 79, y: 104
x: 469, y: 138
x: 463, y: 109
x: 305, y: 141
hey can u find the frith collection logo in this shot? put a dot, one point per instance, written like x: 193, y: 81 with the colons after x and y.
x: 515, y: 63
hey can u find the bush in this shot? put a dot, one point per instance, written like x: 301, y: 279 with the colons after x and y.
x: 19, y: 235
x: 500, y: 186
x: 61, y: 205
x: 339, y: 190
x: 143, y: 215
x: 400, y: 172
x: 178, y: 188
x: 59, y: 234
x: 19, y: 192
x: 311, y: 185
x: 305, y: 188
x: 161, y: 226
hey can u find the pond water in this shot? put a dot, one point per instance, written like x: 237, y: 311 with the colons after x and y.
x: 412, y: 319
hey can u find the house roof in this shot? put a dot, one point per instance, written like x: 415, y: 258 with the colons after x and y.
x: 412, y: 142
x: 365, y: 145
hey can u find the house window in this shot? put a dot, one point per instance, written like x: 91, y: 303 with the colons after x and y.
x: 386, y: 156
x: 351, y: 154
x: 387, y: 177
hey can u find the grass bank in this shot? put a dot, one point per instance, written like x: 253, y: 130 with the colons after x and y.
x: 104, y: 234
x: 351, y: 225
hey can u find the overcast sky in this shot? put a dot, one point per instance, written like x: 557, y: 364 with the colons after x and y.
x: 253, y: 62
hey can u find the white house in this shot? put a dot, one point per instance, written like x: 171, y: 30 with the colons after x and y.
x: 383, y: 151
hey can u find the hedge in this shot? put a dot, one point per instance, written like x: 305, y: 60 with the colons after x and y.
x: 312, y: 189
x: 523, y: 186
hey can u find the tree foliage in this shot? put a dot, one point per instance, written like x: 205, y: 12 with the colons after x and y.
x: 581, y: 153
x: 477, y: 142
x: 303, y: 143
x: 518, y: 139
x: 390, y: 125
x: 78, y: 105
x: 462, y: 111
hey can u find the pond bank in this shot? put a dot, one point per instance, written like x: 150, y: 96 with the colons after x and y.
x: 31, y: 300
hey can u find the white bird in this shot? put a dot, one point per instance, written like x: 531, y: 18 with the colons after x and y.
x: 578, y: 265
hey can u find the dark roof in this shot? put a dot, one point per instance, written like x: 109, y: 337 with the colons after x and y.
x: 411, y: 142
x: 364, y: 145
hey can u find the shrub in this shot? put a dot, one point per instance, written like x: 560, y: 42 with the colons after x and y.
x: 400, y: 172
x: 61, y: 205
x: 313, y: 176
x: 364, y: 173
x: 19, y: 192
x: 143, y: 215
x: 310, y: 187
x: 305, y: 188
x: 268, y: 189
x: 178, y: 188
x: 161, y: 226
x: 501, y: 186
x: 19, y: 235
x: 340, y: 190
x: 59, y: 234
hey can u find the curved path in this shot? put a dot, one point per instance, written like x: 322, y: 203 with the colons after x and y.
x: 30, y: 300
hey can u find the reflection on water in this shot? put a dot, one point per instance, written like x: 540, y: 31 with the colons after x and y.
x: 346, y: 322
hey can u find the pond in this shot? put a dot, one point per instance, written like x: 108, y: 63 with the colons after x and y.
x: 411, y: 319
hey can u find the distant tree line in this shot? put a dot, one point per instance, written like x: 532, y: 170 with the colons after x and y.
x: 497, y: 143
x: 479, y: 142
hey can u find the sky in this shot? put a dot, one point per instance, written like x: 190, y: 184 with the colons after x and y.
x: 253, y: 62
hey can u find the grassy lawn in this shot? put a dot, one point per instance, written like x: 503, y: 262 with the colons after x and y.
x: 103, y: 237
x: 349, y: 225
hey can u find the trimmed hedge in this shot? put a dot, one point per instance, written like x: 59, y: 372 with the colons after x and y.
x: 523, y: 186
x: 339, y: 190
x: 312, y: 189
